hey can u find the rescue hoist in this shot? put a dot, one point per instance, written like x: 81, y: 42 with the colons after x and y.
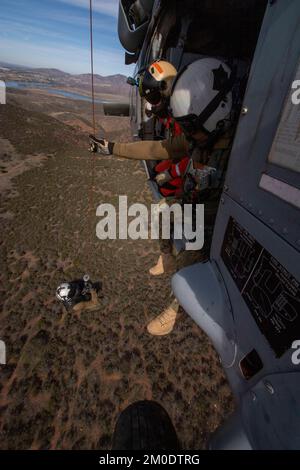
x: 83, y: 294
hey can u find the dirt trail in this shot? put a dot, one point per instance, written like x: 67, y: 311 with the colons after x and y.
x: 13, y: 164
x: 68, y: 377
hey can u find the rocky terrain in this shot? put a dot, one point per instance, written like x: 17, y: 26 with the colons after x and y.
x: 68, y: 376
x: 74, y: 113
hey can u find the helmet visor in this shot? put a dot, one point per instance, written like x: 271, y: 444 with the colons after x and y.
x: 149, y: 88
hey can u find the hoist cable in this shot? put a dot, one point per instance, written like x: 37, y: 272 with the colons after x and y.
x: 92, y: 66
x: 92, y: 189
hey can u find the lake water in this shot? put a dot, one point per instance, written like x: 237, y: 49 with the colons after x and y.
x: 51, y: 90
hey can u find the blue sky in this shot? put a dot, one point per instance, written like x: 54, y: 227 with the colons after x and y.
x: 55, y: 33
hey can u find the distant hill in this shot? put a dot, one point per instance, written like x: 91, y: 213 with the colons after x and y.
x: 113, y: 84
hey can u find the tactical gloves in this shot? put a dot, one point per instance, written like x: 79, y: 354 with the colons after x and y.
x: 163, y: 178
x: 102, y: 146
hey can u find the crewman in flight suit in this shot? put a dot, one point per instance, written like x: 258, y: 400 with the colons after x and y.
x: 201, y: 103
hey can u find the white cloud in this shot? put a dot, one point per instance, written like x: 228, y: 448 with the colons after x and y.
x: 68, y: 58
x: 25, y: 28
x: 40, y: 41
x: 15, y: 25
x: 100, y: 24
x: 107, y: 7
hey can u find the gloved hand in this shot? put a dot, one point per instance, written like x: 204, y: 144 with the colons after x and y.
x: 163, y: 178
x: 101, y: 146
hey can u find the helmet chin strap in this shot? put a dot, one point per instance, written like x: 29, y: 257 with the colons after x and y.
x: 160, y: 109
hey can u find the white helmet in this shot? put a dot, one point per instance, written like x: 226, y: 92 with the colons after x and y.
x: 156, y: 81
x: 63, y: 292
x: 201, y: 98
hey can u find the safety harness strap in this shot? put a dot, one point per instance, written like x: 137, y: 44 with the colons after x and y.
x: 216, y: 101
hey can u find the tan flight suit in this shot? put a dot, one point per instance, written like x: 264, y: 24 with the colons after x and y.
x: 175, y: 148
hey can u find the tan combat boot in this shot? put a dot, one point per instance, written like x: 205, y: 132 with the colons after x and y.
x: 164, y: 323
x: 89, y: 305
x: 165, y: 264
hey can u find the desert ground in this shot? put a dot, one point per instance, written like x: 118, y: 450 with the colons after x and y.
x: 69, y: 376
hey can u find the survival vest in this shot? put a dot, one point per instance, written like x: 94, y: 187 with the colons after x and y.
x: 177, y: 170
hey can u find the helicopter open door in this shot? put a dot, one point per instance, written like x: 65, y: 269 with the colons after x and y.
x: 247, y: 297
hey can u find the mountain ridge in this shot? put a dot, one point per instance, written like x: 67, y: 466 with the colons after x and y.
x: 55, y: 70
x: 111, y: 84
